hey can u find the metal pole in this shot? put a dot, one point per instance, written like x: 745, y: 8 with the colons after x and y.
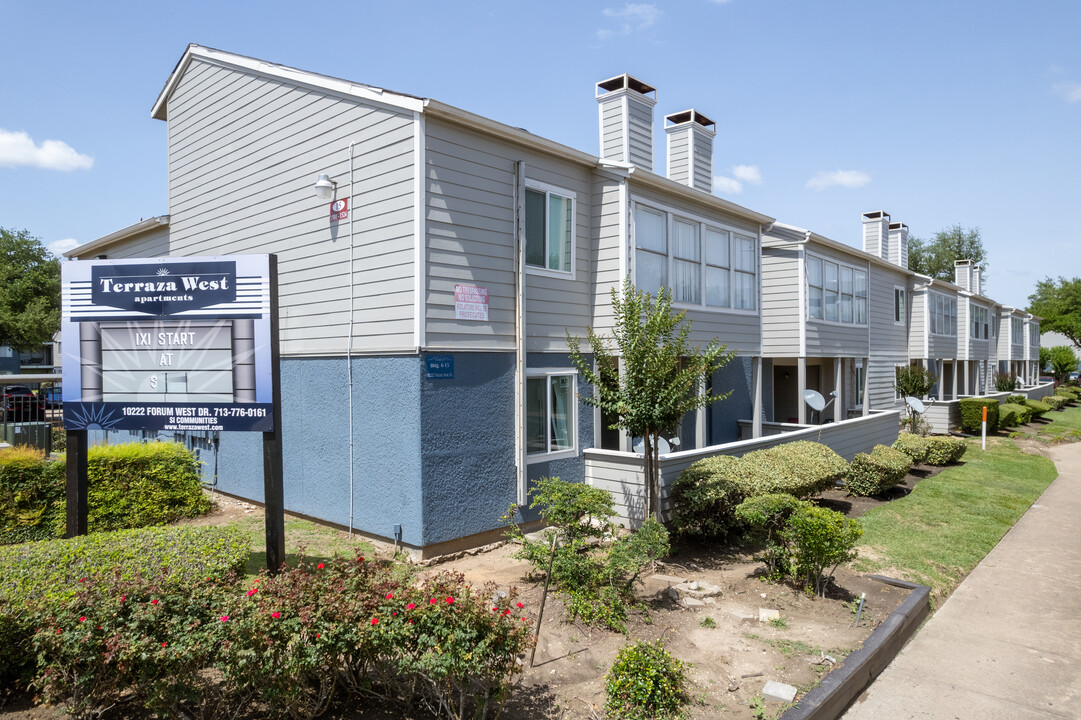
x: 544, y: 599
x: 273, y: 485
x: 76, y: 483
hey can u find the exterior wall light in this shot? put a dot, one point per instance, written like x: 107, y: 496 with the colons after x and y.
x: 324, y: 187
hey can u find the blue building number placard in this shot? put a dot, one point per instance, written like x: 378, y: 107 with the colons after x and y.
x: 439, y: 367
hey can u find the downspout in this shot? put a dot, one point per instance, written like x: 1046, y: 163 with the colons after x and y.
x: 349, y: 344
x: 519, y: 332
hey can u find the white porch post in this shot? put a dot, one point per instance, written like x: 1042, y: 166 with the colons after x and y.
x: 801, y: 385
x: 866, y: 387
x: 968, y: 374
x: 953, y: 367
x: 700, y: 439
x: 756, y: 383
x: 838, y: 387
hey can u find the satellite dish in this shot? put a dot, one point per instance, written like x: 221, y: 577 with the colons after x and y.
x: 916, y: 404
x: 814, y: 400
x: 663, y: 446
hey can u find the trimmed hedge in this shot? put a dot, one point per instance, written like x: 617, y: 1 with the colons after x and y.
x: 1070, y: 393
x: 876, y: 472
x: 1011, y: 415
x: 972, y: 414
x: 130, y: 485
x: 1038, y: 408
x: 706, y: 494
x: 945, y: 450
x: 1015, y: 399
x: 913, y: 445
x: 1057, y: 402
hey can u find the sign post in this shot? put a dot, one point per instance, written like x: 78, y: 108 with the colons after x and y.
x: 174, y: 345
x: 984, y: 428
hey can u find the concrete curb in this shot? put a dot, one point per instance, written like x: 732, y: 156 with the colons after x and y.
x: 837, y: 690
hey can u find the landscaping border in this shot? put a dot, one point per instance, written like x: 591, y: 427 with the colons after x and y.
x: 830, y: 698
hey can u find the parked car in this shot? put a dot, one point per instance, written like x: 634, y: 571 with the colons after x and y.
x: 20, y: 404
x: 51, y: 397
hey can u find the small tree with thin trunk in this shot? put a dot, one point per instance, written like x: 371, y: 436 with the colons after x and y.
x: 660, y: 378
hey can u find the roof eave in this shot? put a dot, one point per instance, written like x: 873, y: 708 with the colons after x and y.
x: 113, y: 238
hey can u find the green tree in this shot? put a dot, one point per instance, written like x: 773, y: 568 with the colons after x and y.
x: 914, y: 381
x: 1058, y: 302
x: 1063, y: 362
x: 935, y: 257
x: 29, y: 291
x: 661, y: 375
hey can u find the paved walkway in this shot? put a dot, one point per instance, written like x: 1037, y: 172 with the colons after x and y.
x: 1007, y: 644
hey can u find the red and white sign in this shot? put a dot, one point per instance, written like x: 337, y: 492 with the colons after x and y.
x: 470, y: 302
x: 339, y: 209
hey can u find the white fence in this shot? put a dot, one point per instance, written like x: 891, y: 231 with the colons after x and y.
x: 621, y: 473
x: 945, y: 415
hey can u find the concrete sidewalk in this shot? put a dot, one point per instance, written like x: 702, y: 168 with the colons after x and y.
x: 1007, y: 644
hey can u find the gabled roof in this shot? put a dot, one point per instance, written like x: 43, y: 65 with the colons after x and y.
x: 437, y: 109
x: 96, y: 246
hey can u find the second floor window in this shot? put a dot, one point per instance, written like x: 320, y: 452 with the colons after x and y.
x: 943, y: 314
x: 836, y: 292
x: 980, y: 322
x: 1017, y: 336
x: 549, y: 229
x: 703, y: 264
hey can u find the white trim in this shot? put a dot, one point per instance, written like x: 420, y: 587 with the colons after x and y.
x: 549, y: 190
x: 625, y: 119
x: 420, y: 228
x: 802, y: 272
x: 904, y: 306
x: 547, y: 373
x: 281, y: 72
x: 624, y: 230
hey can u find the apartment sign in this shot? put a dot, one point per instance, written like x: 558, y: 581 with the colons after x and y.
x: 470, y: 302
x: 339, y: 209
x: 170, y: 344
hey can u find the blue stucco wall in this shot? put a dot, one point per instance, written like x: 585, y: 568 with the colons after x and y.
x: 315, y: 445
x: 735, y: 377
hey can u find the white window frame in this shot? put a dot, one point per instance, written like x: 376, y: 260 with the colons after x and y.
x: 671, y: 215
x: 548, y: 191
x: 902, y: 292
x: 548, y: 373
x: 1017, y: 331
x: 948, y: 318
x: 841, y: 294
x: 980, y: 321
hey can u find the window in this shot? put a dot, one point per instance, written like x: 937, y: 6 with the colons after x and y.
x: 1017, y: 336
x: 898, y: 305
x: 980, y: 325
x: 702, y: 265
x: 549, y: 228
x: 859, y: 384
x: 1034, y: 334
x: 551, y: 410
x: 943, y: 313
x: 836, y: 292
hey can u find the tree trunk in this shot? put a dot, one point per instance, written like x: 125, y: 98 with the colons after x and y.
x: 647, y: 446
x: 655, y: 478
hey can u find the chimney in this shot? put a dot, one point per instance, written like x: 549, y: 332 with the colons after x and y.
x: 977, y: 279
x: 690, y: 149
x: 876, y: 238
x: 962, y: 274
x: 899, y: 244
x: 626, y: 108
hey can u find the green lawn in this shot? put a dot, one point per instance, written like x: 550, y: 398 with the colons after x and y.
x: 939, y: 532
x: 316, y: 542
x: 1057, y: 426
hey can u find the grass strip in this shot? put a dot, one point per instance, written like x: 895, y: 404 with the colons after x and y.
x: 939, y: 532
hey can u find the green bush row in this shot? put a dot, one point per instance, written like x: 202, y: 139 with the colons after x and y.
x: 1038, y: 408
x: 1056, y: 402
x: 130, y: 486
x: 216, y: 646
x: 1012, y: 415
x: 972, y: 415
x: 1072, y: 394
x: 876, y: 472
x: 707, y: 493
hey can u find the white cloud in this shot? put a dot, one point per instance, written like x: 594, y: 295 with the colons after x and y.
x: 631, y: 17
x: 839, y: 178
x: 748, y: 174
x: 59, y: 247
x: 727, y: 185
x: 1068, y: 91
x: 18, y: 148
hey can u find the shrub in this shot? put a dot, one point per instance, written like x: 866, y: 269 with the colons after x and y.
x: 705, y: 496
x: 915, y: 446
x: 597, y: 579
x: 1004, y: 382
x: 1016, y: 399
x: 876, y: 472
x: 1069, y: 393
x: 1056, y: 402
x: 645, y: 682
x: 31, y: 495
x: 1011, y: 415
x: 766, y: 517
x: 1038, y: 408
x: 800, y: 468
x: 972, y: 414
x: 945, y: 450
x: 138, y: 485
x: 821, y: 539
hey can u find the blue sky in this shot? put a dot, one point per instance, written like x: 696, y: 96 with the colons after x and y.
x: 940, y: 113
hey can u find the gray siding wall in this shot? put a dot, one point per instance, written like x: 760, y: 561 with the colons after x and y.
x: 964, y: 338
x: 470, y: 211
x: 244, y: 152
x: 781, y: 309
x: 916, y: 314
x: 703, y: 162
x: 612, y: 129
x: 150, y: 244
x: 679, y: 156
x: 608, y: 219
x: 889, y: 339
x: 640, y: 133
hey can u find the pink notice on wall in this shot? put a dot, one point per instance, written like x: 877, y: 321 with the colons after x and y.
x: 470, y: 302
